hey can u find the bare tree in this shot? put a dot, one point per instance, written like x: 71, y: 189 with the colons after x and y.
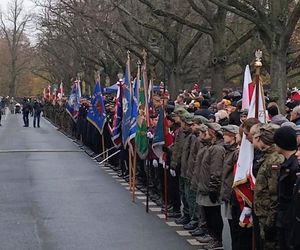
x: 276, y: 21
x: 13, y: 27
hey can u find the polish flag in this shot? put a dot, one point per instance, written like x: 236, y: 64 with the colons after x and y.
x: 248, y: 89
x: 244, y: 180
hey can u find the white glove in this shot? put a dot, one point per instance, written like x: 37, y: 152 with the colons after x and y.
x: 172, y: 172
x: 149, y: 135
x: 155, y: 163
x: 165, y: 166
x: 246, y: 219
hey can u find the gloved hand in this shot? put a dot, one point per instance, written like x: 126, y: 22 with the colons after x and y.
x: 149, y: 135
x: 165, y: 166
x: 213, y: 196
x: 172, y: 172
x: 246, y: 217
x: 155, y: 163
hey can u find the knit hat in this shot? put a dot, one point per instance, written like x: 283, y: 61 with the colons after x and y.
x: 285, y: 138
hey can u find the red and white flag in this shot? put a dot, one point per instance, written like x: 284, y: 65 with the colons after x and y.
x: 60, y: 91
x: 244, y: 180
x: 248, y: 89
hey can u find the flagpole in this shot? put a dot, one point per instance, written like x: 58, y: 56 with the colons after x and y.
x: 258, y: 65
x: 146, y: 162
x: 129, y: 149
x: 98, y: 78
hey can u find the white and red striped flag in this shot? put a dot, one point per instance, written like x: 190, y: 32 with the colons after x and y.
x: 244, y: 180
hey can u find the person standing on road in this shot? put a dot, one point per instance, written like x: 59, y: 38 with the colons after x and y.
x: 26, y: 110
x: 285, y: 139
x: 37, y: 109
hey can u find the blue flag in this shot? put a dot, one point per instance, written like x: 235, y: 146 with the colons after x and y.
x: 127, y: 107
x: 73, y: 103
x: 134, y: 113
x: 96, y: 113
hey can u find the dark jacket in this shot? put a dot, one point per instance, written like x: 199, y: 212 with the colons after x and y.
x: 197, y: 168
x: 195, y: 146
x: 231, y: 157
x: 37, y: 107
x: 295, y: 239
x: 176, y: 150
x: 211, y: 169
x: 189, y: 137
x: 286, y: 182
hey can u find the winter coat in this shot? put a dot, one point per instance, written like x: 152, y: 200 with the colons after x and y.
x: 278, y: 119
x: 189, y: 137
x: 195, y: 146
x: 265, y: 191
x: 295, y: 239
x: 231, y: 157
x: 203, y: 147
x: 211, y: 169
x: 286, y: 182
x: 176, y: 149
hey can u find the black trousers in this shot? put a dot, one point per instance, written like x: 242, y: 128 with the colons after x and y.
x: 36, y: 119
x: 241, y: 238
x: 26, y: 119
x: 214, y: 221
x: 173, y: 190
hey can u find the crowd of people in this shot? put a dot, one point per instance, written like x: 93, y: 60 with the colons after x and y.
x: 201, y: 166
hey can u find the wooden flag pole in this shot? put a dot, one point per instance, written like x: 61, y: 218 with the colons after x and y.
x: 133, y: 173
x: 258, y: 65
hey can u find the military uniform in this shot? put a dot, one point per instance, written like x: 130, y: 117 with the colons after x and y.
x: 265, y: 197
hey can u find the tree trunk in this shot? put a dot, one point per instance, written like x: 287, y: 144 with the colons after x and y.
x: 218, y: 63
x: 278, y: 75
x: 174, y: 82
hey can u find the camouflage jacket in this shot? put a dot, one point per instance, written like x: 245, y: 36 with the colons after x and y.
x: 265, y: 191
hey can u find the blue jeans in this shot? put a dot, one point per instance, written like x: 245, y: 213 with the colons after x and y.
x: 36, y: 119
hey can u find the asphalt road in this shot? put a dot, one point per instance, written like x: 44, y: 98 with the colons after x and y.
x: 55, y: 197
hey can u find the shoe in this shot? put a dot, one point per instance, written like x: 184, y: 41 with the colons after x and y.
x: 183, y: 220
x: 199, y: 231
x: 0, y: 124
x: 214, y: 245
x: 169, y: 208
x: 174, y: 214
x: 191, y: 225
x: 206, y: 238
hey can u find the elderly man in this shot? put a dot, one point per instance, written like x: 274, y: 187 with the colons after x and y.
x: 295, y: 115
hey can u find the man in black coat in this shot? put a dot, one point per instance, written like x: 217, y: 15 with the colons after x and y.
x: 37, y: 109
x: 27, y: 108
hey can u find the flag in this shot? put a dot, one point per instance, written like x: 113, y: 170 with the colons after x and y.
x: 96, y: 113
x: 248, y: 89
x: 73, y: 103
x: 141, y: 139
x: 162, y: 137
x: 244, y: 180
x: 116, y: 132
x: 134, y: 113
x: 126, y: 105
x: 60, y: 91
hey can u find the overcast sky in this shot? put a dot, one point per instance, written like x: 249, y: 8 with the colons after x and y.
x: 28, y: 4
